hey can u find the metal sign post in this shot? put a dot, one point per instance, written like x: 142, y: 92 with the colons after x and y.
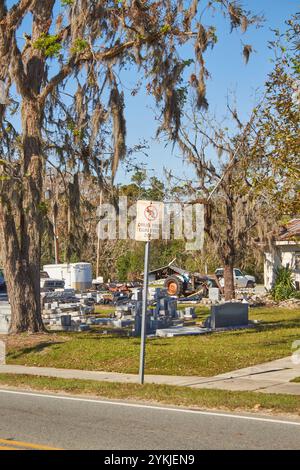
x: 147, y: 227
x: 144, y: 312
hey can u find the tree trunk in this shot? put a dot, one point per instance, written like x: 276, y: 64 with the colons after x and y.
x: 21, y: 213
x: 21, y: 228
x: 21, y: 285
x: 228, y: 281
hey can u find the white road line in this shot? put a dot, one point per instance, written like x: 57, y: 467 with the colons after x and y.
x: 150, y: 407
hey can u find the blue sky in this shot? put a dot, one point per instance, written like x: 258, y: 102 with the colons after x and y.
x: 228, y: 74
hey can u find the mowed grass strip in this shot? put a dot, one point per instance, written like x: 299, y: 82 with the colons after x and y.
x: 204, y: 355
x: 296, y: 380
x: 163, y: 394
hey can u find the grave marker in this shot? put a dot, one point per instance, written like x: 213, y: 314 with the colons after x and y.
x: 2, y: 353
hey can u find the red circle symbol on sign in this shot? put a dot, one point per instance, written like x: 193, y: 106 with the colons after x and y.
x: 151, y: 213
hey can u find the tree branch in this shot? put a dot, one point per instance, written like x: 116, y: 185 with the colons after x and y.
x: 76, y: 60
x: 15, y: 14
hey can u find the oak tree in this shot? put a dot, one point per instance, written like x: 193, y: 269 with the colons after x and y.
x: 78, y: 47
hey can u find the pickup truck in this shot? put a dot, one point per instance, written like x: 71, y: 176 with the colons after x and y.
x: 241, y: 280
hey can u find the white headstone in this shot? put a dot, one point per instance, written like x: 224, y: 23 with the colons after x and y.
x: 214, y: 294
x: 2, y: 353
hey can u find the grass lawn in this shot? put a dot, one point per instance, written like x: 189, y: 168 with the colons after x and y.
x: 183, y: 396
x: 104, y: 310
x: 204, y: 355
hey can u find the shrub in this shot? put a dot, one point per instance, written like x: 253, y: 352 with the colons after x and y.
x: 284, y: 287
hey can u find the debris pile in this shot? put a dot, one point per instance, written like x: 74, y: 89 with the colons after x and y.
x: 290, y: 303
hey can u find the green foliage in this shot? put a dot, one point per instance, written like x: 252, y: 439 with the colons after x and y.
x: 49, y: 45
x: 79, y: 46
x: 123, y: 267
x: 284, y: 287
x: 74, y: 258
x: 139, y: 177
x: 166, y: 28
x: 188, y: 62
x: 79, y: 133
x: 43, y: 207
x: 66, y: 3
x: 131, y: 263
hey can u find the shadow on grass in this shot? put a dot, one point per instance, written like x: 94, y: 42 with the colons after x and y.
x: 97, y: 336
x: 33, y: 349
x: 275, y: 325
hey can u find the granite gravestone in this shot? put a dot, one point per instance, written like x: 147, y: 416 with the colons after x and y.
x: 229, y: 314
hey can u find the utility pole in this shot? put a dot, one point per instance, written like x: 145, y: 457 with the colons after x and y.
x: 54, y: 207
x: 54, y: 221
x: 98, y: 242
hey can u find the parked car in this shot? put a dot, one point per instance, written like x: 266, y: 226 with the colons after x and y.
x: 241, y: 279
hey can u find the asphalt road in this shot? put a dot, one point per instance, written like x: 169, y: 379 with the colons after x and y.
x: 64, y: 422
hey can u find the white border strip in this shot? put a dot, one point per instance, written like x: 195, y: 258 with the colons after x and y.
x: 157, y: 408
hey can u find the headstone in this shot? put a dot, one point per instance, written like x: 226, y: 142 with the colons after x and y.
x: 2, y: 353
x: 83, y: 327
x: 189, y: 312
x: 180, y: 314
x: 229, y: 314
x: 138, y: 308
x: 137, y: 325
x: 172, y: 307
x: 66, y: 320
x: 5, y: 317
x: 163, y: 303
x: 214, y: 294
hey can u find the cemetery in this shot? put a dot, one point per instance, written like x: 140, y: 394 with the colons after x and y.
x: 100, y: 330
x: 71, y: 303
x: 72, y: 309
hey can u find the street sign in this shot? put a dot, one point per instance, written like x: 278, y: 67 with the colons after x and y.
x: 148, y: 220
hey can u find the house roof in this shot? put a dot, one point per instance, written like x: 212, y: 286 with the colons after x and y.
x: 290, y: 230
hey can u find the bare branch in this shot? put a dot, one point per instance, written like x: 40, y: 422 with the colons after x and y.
x: 16, y: 13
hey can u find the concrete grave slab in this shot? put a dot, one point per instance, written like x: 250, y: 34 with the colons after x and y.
x: 181, y: 331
